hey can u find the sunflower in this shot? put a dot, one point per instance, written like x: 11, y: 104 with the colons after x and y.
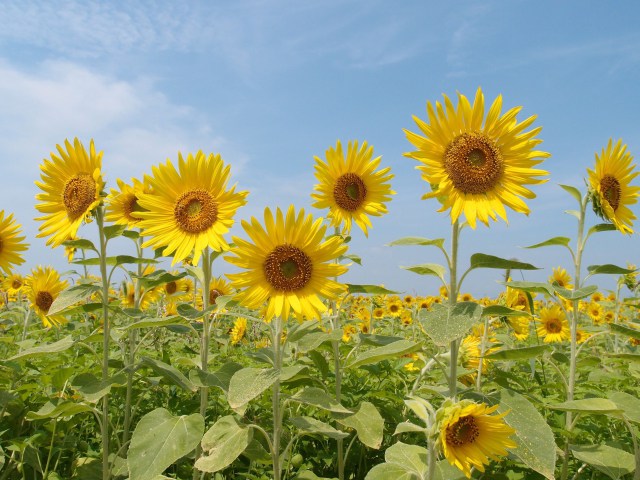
x: 609, y: 186
x: 218, y: 287
x: 520, y: 326
x: 11, y: 243
x: 395, y: 307
x: 351, y: 188
x: 43, y: 287
x: 13, y: 284
x: 122, y: 204
x: 238, y: 331
x: 189, y: 209
x: 72, y: 185
x: 554, y: 325
x: 470, y: 436
x: 287, y: 265
x: 473, y: 168
x: 561, y: 277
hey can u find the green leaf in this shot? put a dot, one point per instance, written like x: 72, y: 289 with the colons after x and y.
x: 155, y: 323
x: 161, y: 277
x: 132, y: 234
x: 481, y: 260
x: 372, y: 289
x: 313, y: 340
x: 58, y: 410
x: 428, y: 269
x: 412, y: 457
x: 220, y: 378
x: 299, y: 330
x: 248, y: 383
x: 613, y: 462
x: 80, y: 243
x: 608, y: 269
x: 319, y: 398
x: 502, y: 311
x: 92, y: 388
x: 354, y: 259
x: 629, y: 404
x: 223, y: 442
x: 112, y: 231
x: 601, y: 227
x: 532, y: 287
x: 311, y: 425
x: 72, y: 295
x: 624, y: 330
x: 628, y: 357
x: 115, y: 261
x: 46, y: 349
x: 563, y: 241
x: 385, y: 471
x: 587, y: 405
x: 375, y: 355
x: 187, y: 311
x: 522, y: 353
x: 444, y: 323
x: 367, y: 422
x: 574, y: 192
x: 413, y: 241
x: 170, y: 373
x: 159, y: 440
x: 446, y: 471
x: 536, y: 444
x: 575, y: 294
x: 195, y: 272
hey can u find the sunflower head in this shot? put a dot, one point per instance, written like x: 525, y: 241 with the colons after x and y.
x: 475, y: 164
x: 189, y: 209
x: 12, y: 243
x: 13, y: 284
x: 561, y: 278
x: 554, y: 326
x: 72, y: 188
x: 469, y: 435
x: 351, y: 187
x: 610, y: 188
x: 122, y: 204
x: 43, y: 287
x: 287, y: 263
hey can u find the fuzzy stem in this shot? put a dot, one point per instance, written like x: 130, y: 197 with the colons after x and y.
x: 453, y: 298
x: 277, y: 414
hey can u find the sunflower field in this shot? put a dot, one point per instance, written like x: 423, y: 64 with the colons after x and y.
x: 201, y: 355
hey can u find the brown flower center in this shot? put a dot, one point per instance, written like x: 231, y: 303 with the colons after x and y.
x: 473, y: 162
x: 349, y: 192
x: 213, y: 296
x: 553, y: 325
x: 611, y: 191
x: 195, y: 211
x: 44, y: 300
x: 463, y: 432
x: 129, y: 206
x: 78, y: 195
x: 171, y: 288
x: 288, y: 268
x: 16, y: 284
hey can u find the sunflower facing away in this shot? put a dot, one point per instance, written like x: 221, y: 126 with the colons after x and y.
x: 473, y: 167
x: 350, y: 187
x: 470, y: 436
x: 554, y: 326
x: 122, y: 204
x: 43, y: 287
x: 561, y: 277
x: 610, y: 187
x: 11, y: 243
x: 189, y: 209
x: 287, y: 265
x: 72, y: 184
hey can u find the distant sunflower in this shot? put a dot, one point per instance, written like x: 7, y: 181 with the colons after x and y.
x: 238, y: 330
x: 13, y: 284
x: 350, y: 187
x: 470, y: 436
x: 11, y: 243
x: 610, y: 187
x: 474, y: 168
x: 561, y: 277
x: 218, y: 287
x: 43, y: 287
x: 122, y: 204
x: 72, y: 185
x: 189, y: 209
x: 287, y: 265
x: 554, y: 326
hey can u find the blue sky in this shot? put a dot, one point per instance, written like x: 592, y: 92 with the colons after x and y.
x: 271, y: 84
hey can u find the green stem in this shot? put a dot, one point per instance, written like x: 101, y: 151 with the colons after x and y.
x: 453, y: 298
x: 483, y: 350
x: 26, y: 325
x: 277, y: 413
x: 106, y: 474
x: 204, y: 348
x: 580, y: 244
x: 53, y: 436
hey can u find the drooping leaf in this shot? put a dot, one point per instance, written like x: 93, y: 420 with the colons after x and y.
x: 392, y: 350
x: 169, y: 372
x: 562, y: 241
x: 415, y: 241
x: 223, y: 443
x: 601, y: 227
x: 159, y: 440
x: 502, y: 311
x: 481, y: 260
x: 248, y: 383
x: 112, y: 231
x: 428, y: 269
x: 608, y: 269
x: 354, y: 259
x: 532, y: 287
x: 93, y: 388
x: 523, y: 353
x: 624, y: 330
x: 319, y: 398
x: 371, y: 289
x: 45, y: 349
x: 155, y: 323
x: 444, y: 323
x: 367, y: 422
x: 81, y: 244
x: 588, y: 405
x: 575, y: 294
x: 573, y: 191
x: 629, y: 404
x: 311, y: 425
x: 221, y: 378
x: 58, y: 410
